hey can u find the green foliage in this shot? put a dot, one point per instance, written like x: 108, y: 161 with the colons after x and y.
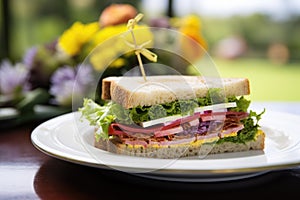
x: 258, y: 30
x: 268, y: 81
x: 40, y: 21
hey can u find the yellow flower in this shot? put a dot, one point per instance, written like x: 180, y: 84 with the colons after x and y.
x: 105, y: 34
x: 190, y: 27
x: 191, y: 21
x: 108, y: 44
x: 72, y: 40
x: 119, y: 63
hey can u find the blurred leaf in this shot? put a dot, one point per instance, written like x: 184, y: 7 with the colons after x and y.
x: 4, y: 100
x: 34, y: 97
x: 8, y: 113
x: 10, y: 117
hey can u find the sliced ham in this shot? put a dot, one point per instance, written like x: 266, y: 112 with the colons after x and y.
x: 220, y: 116
x: 179, y: 141
x: 177, y: 122
x: 194, y: 122
x: 134, y: 129
x: 135, y: 142
x: 231, y: 130
x: 239, y: 115
x: 170, y: 131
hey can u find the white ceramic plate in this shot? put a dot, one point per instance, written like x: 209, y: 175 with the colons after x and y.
x: 67, y: 138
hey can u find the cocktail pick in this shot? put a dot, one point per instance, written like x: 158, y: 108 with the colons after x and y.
x: 139, y: 49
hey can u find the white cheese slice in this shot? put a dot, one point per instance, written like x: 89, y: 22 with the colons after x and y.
x: 215, y: 107
x: 160, y: 120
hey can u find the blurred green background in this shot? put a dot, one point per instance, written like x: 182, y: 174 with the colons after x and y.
x: 259, y: 44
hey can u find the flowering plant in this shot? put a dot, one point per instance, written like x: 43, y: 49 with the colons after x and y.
x: 46, y: 76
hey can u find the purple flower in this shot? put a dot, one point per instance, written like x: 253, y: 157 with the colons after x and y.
x: 160, y: 22
x: 68, y: 82
x: 13, y: 78
x: 65, y: 73
x: 29, y: 57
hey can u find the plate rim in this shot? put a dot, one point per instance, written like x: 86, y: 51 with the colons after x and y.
x: 166, y: 171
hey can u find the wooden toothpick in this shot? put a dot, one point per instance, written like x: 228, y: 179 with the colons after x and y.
x: 139, y: 49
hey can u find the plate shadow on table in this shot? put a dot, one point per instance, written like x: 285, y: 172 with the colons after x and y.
x: 59, y: 179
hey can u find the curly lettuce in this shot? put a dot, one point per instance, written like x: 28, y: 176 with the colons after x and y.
x: 242, y: 104
x: 249, y: 131
x: 100, y: 116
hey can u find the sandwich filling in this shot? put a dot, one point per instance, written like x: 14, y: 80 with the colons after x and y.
x: 178, y: 122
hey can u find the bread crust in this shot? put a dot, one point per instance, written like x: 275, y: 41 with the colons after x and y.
x: 184, y: 150
x: 134, y: 91
x: 106, y: 85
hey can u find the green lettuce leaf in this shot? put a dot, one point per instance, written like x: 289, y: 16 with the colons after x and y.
x: 242, y: 104
x: 122, y: 115
x: 139, y: 114
x: 100, y: 116
x: 156, y: 112
x: 248, y: 132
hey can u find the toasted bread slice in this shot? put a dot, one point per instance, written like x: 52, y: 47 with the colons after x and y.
x: 134, y: 91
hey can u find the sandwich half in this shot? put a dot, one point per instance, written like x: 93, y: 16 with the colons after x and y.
x: 174, y: 116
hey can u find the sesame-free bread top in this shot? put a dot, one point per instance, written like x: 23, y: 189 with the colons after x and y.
x: 134, y: 91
